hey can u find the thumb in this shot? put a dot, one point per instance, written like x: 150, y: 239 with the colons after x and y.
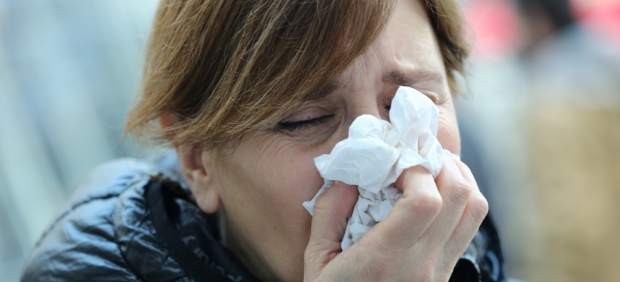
x: 332, y: 209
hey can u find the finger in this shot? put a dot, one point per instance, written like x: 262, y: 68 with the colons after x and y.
x: 466, y: 171
x: 476, y: 210
x: 332, y: 209
x: 455, y: 190
x: 413, y: 212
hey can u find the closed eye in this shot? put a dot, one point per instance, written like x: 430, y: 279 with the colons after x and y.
x: 292, y: 126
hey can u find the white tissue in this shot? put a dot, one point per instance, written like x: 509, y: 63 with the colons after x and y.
x: 376, y: 153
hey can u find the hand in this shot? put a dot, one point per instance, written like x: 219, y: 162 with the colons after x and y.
x: 422, y: 238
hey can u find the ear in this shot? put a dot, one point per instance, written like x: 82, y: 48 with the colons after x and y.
x: 198, y: 169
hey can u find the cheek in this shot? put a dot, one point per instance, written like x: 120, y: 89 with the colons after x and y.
x: 293, y: 174
x: 286, y: 178
x: 448, y: 131
x: 281, y: 176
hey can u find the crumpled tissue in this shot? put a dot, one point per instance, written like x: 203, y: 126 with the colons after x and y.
x: 376, y: 152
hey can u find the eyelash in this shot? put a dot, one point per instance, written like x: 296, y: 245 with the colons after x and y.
x: 291, y: 126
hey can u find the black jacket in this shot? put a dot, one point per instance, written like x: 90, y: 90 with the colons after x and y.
x: 137, y: 221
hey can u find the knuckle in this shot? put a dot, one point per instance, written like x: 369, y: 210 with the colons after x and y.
x: 479, y: 206
x: 465, y: 167
x: 425, y: 202
x: 469, y: 175
x: 462, y: 191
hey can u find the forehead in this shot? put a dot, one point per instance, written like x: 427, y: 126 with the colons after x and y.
x: 405, y: 50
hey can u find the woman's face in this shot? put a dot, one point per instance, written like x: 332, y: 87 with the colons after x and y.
x: 261, y: 185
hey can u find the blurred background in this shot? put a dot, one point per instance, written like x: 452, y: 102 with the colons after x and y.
x: 69, y: 70
x: 540, y: 119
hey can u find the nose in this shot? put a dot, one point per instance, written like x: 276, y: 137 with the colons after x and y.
x: 370, y: 102
x: 360, y: 102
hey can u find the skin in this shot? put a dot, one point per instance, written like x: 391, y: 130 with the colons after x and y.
x: 258, y: 188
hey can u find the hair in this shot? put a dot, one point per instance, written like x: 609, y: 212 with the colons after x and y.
x: 227, y: 68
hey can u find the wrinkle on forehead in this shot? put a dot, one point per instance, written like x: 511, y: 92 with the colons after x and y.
x: 406, y: 45
x: 406, y: 52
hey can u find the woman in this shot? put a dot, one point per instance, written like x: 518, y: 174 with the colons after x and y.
x: 248, y: 93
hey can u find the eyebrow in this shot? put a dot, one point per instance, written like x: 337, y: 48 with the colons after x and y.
x: 326, y: 90
x: 395, y: 77
x: 410, y: 78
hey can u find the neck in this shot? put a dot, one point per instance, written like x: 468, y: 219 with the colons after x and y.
x: 243, y: 250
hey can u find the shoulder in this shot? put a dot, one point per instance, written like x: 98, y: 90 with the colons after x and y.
x: 104, y: 234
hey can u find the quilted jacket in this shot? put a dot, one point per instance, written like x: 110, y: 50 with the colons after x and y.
x: 136, y: 221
